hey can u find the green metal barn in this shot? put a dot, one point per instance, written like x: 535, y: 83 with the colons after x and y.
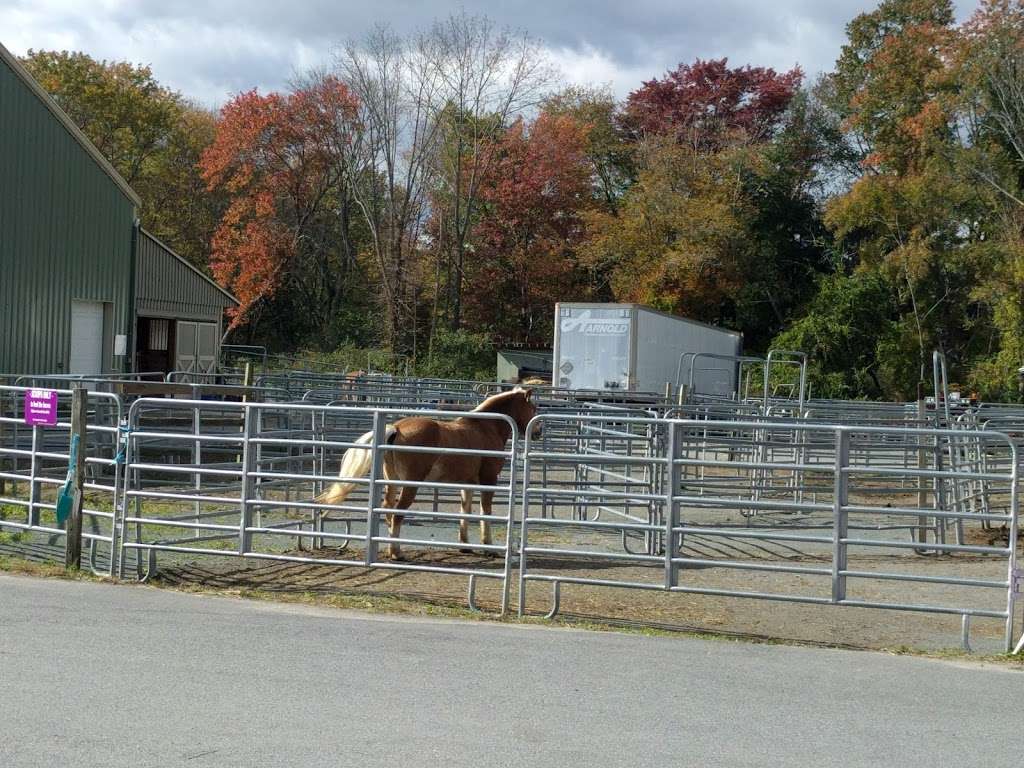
x: 66, y: 230
x: 73, y: 260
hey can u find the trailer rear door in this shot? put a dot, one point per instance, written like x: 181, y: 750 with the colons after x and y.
x: 593, y: 347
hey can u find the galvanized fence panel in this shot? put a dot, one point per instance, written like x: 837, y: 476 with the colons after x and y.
x: 237, y: 479
x: 34, y: 464
x: 790, y: 511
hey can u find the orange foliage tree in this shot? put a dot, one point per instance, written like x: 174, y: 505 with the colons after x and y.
x: 524, y: 256
x: 283, y: 161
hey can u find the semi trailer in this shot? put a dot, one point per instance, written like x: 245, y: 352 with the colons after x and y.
x: 633, y: 348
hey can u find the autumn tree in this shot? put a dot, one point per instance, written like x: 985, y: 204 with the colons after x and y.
x: 609, y: 148
x: 152, y: 135
x: 487, y: 76
x: 988, y: 65
x: 177, y: 205
x: 931, y: 212
x: 284, y: 160
x: 721, y: 223
x: 525, y: 257
x: 910, y: 216
x: 677, y: 242
x: 708, y: 104
x: 888, y: 76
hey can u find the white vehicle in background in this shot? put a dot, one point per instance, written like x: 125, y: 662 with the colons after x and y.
x: 632, y: 348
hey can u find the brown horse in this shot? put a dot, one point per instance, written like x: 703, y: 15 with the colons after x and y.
x: 465, y: 433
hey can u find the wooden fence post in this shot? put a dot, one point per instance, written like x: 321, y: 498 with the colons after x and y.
x: 247, y: 381
x: 73, y: 529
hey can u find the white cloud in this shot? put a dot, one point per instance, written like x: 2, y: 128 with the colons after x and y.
x: 213, y: 49
x: 589, y: 65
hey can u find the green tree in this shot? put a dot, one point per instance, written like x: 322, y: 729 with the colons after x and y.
x: 152, y: 135
x: 910, y: 217
x: 846, y: 327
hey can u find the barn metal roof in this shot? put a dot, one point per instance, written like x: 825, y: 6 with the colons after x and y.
x: 16, y: 66
x: 168, y: 286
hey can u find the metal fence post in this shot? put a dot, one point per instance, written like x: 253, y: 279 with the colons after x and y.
x: 510, y: 523
x: 1012, y: 544
x: 14, y: 442
x: 839, y: 501
x: 374, y: 490
x: 525, y: 500
x: 248, y: 454
x: 197, y: 461
x: 922, y: 464
x: 73, y: 528
x: 126, y: 481
x: 33, y: 478
x: 672, y: 483
x: 117, y: 519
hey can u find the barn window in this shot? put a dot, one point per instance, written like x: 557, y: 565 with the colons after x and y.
x: 158, y: 335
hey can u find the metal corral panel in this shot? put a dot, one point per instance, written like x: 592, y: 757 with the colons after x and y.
x: 65, y: 232
x: 632, y: 347
x: 168, y: 286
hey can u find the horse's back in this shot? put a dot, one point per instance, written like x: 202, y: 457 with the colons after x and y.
x: 416, y: 430
x: 424, y: 432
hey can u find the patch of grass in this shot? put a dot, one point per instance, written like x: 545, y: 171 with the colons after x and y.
x: 8, y: 511
x: 957, y: 654
x: 391, y: 604
x: 9, y: 537
x: 50, y: 569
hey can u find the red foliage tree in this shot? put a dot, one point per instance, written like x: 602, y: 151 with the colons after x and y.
x: 279, y: 158
x: 707, y: 102
x: 525, y: 242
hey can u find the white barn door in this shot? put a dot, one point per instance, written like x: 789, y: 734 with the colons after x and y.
x: 206, y: 347
x: 197, y: 347
x: 185, y: 347
x: 86, y: 355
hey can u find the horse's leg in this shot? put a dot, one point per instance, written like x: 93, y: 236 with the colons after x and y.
x: 486, y: 497
x: 395, y: 523
x: 467, y: 509
x: 388, y: 502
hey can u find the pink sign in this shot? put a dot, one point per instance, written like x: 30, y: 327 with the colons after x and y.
x: 41, y: 406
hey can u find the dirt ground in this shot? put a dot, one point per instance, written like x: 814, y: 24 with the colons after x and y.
x: 743, y: 617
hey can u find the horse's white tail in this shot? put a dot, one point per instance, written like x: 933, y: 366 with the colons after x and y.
x: 355, y: 463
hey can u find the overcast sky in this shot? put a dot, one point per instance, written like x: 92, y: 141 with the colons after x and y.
x: 211, y: 50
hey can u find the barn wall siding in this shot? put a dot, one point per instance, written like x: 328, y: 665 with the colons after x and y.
x: 65, y: 233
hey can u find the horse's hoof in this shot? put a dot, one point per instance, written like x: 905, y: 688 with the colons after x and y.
x: 466, y: 550
x: 395, y: 558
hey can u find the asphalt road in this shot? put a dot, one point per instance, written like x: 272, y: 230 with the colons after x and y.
x: 101, y: 675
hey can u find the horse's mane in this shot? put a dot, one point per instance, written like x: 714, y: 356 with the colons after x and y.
x: 497, y: 400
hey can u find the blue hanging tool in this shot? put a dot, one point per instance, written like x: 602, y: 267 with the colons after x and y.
x: 64, y: 498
